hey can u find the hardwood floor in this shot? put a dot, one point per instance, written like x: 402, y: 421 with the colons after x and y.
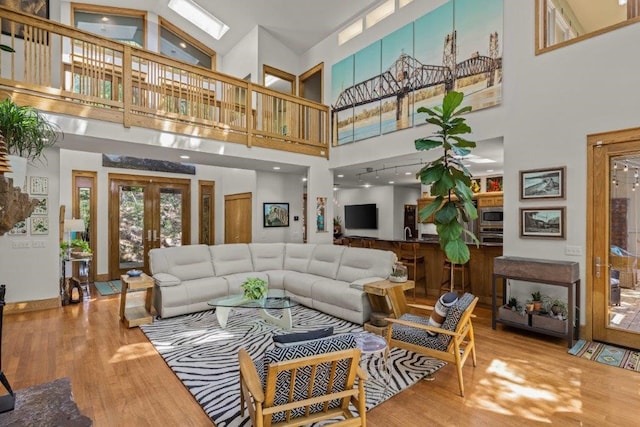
x: 118, y: 379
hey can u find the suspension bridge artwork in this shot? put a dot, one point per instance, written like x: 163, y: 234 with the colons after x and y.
x: 467, y: 59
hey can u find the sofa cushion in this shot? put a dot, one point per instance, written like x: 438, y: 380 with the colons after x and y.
x: 325, y: 260
x: 359, y: 263
x: 298, y: 338
x: 184, y: 262
x: 297, y: 256
x: 267, y: 256
x: 231, y: 258
x: 166, y: 279
x: 337, y: 293
x: 300, y: 283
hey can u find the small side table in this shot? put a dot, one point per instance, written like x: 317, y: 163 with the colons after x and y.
x: 137, y: 315
x: 388, y: 297
x: 374, y: 355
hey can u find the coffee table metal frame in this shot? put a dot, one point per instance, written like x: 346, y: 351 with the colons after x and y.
x: 275, y: 300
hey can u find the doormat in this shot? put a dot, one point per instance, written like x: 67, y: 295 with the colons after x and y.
x: 205, y: 357
x: 607, y: 354
x: 109, y: 288
x: 46, y: 405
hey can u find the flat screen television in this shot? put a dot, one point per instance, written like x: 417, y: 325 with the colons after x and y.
x: 362, y: 217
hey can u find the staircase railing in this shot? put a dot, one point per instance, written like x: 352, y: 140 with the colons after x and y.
x: 60, y: 69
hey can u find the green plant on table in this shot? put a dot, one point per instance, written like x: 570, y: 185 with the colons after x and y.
x: 254, y: 288
x: 513, y: 303
x: 536, y: 296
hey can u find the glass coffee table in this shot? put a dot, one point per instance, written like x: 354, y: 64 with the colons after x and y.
x: 274, y: 300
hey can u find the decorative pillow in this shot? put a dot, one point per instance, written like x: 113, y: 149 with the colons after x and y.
x: 439, y: 313
x: 166, y: 279
x: 301, y: 337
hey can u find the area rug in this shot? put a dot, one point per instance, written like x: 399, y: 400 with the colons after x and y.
x: 109, y: 288
x: 205, y: 357
x: 607, y: 354
x: 45, y: 405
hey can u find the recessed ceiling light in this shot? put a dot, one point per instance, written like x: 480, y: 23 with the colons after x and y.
x: 391, y: 182
x: 407, y: 173
x: 367, y: 185
x: 183, y: 45
x: 304, y: 179
x: 341, y: 176
x: 276, y: 168
x: 184, y: 157
x: 105, y: 19
x: 335, y: 188
x: 489, y: 170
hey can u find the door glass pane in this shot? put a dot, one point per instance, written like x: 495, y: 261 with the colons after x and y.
x: 170, y: 217
x: 131, y: 229
x: 85, y: 211
x: 624, y: 240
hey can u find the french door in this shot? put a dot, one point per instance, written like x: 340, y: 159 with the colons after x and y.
x: 145, y: 213
x: 613, y: 231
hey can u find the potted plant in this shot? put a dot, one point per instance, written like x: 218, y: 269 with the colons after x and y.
x: 448, y: 178
x: 399, y: 274
x: 337, y: 227
x: 254, y: 288
x: 536, y: 298
x: 512, y: 312
x: 559, y: 309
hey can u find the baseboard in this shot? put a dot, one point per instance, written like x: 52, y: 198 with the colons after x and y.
x: 26, y: 306
x: 102, y: 277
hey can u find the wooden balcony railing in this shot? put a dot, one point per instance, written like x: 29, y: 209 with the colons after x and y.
x: 60, y: 69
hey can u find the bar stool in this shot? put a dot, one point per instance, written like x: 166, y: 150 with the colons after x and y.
x: 408, y: 255
x: 461, y: 270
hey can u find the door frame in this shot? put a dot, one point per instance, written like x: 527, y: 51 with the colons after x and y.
x: 93, y: 213
x: 113, y: 262
x: 597, y: 287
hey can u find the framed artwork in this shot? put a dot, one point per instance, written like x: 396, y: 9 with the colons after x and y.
x: 40, y: 225
x: 20, y: 229
x: 321, y: 213
x: 276, y: 214
x: 542, y: 184
x: 546, y: 223
x: 39, y: 185
x: 494, y: 183
x: 34, y: 7
x: 43, y: 206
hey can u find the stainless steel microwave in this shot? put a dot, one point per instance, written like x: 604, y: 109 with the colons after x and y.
x: 490, y: 216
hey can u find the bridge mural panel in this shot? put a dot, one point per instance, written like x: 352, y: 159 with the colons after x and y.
x: 445, y: 58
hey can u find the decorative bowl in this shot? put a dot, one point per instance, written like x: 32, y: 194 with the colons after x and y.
x: 134, y: 273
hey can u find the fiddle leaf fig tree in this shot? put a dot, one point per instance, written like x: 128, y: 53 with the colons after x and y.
x: 448, y: 178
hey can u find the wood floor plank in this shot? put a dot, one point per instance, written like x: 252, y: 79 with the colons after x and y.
x: 118, y: 379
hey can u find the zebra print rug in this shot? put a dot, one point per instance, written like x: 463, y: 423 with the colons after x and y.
x: 205, y: 357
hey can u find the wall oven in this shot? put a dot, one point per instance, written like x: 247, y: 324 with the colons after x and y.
x: 490, y: 216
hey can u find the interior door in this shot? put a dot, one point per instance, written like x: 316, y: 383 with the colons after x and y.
x: 613, y: 224
x: 237, y: 218
x: 146, y: 213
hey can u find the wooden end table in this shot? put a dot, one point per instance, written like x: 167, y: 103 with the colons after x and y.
x: 136, y: 315
x: 388, y: 297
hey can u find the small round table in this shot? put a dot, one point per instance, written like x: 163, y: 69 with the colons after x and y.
x: 374, y: 354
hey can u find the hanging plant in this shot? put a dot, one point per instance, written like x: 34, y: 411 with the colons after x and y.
x: 448, y: 178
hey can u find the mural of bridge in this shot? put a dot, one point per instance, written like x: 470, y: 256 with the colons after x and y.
x: 407, y: 75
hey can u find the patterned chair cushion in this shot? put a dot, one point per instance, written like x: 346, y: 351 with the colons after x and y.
x: 298, y: 338
x: 311, y: 348
x: 422, y: 338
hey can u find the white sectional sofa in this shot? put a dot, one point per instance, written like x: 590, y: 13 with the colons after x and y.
x: 327, y: 278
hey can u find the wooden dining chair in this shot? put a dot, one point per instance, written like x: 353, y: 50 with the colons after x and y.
x: 409, y: 256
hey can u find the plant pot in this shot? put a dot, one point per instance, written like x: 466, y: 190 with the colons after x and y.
x: 537, y: 305
x: 398, y: 279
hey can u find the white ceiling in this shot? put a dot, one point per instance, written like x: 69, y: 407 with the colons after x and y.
x: 298, y: 24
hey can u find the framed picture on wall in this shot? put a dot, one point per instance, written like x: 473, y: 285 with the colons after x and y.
x: 40, y: 225
x: 276, y: 214
x: 545, y: 223
x: 542, y: 184
x: 42, y: 208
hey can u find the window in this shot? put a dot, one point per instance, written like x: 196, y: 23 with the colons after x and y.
x: 177, y: 44
x: 124, y: 25
x: 563, y: 22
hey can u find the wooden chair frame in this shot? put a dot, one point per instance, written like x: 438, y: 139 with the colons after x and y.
x: 260, y: 403
x: 462, y: 342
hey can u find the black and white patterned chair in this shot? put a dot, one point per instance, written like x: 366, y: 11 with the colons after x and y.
x: 453, y: 342
x: 308, y: 382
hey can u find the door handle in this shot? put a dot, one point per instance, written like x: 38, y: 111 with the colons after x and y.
x: 597, y: 267
x: 149, y: 236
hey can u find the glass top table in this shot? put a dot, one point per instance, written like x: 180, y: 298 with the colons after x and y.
x: 275, y: 299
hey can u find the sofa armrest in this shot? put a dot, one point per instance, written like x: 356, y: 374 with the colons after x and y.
x: 166, y: 279
x: 359, y: 284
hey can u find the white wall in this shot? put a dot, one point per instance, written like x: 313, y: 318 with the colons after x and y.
x: 275, y: 54
x: 32, y: 273
x: 278, y: 188
x: 242, y: 59
x: 381, y: 196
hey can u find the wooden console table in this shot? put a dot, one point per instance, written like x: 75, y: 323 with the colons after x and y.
x: 557, y: 273
x: 137, y: 315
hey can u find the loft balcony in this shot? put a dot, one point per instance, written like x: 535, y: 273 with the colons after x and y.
x: 59, y: 69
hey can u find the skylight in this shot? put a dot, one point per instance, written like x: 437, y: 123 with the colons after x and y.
x: 199, y: 17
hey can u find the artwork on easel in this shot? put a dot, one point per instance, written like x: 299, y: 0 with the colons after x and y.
x: 321, y: 213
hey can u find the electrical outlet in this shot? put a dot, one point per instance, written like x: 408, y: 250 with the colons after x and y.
x: 38, y: 244
x: 573, y: 250
x: 20, y: 244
